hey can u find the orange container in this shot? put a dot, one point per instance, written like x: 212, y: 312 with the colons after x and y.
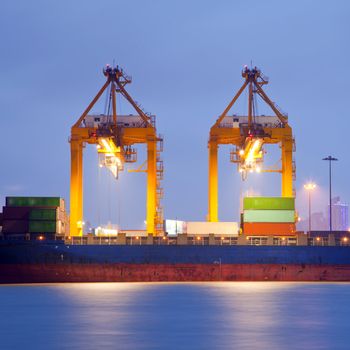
x: 269, y: 229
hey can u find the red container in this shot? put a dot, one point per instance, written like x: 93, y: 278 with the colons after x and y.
x: 15, y: 226
x: 269, y: 229
x: 16, y: 213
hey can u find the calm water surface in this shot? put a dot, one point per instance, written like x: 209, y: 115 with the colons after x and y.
x: 175, y: 316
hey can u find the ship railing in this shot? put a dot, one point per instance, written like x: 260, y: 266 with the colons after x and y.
x: 300, y: 239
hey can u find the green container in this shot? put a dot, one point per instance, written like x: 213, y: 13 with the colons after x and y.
x: 269, y: 216
x: 269, y: 203
x: 42, y: 214
x: 42, y: 226
x: 33, y: 201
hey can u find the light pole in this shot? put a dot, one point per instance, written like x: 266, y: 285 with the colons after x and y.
x: 310, y: 187
x: 330, y: 160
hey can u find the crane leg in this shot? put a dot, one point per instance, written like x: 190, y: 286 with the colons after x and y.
x: 213, y: 182
x: 287, y: 167
x: 151, y: 185
x: 76, y: 188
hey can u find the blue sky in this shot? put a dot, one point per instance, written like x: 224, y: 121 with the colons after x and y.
x: 185, y: 58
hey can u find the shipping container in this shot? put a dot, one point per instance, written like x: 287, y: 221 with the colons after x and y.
x: 269, y: 216
x: 16, y: 213
x: 43, y: 214
x: 34, y: 202
x: 269, y: 203
x: 275, y: 229
x: 43, y: 226
x: 204, y: 227
x: 15, y: 226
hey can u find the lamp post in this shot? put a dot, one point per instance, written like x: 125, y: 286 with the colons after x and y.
x: 330, y: 159
x: 310, y: 187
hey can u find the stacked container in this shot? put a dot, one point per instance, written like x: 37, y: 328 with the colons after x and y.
x: 274, y: 216
x: 34, y: 215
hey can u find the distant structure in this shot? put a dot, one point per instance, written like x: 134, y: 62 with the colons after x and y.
x: 340, y: 215
x: 319, y: 222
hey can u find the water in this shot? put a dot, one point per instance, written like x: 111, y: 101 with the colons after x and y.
x: 176, y: 316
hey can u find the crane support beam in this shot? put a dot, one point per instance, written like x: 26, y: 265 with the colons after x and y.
x: 287, y: 167
x: 151, y: 185
x: 250, y: 105
x: 76, y: 188
x: 263, y: 95
x: 114, y: 104
x: 92, y: 103
x: 136, y: 107
x: 213, y: 181
x: 229, y: 106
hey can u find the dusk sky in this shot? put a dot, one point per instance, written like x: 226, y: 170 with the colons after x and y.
x: 185, y: 58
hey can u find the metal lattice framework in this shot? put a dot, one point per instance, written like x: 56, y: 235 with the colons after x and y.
x: 248, y: 134
x: 114, y: 136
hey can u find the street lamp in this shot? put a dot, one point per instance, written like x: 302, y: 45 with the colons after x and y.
x: 310, y: 187
x: 330, y: 159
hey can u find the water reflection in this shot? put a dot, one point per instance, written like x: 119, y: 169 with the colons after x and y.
x: 175, y: 316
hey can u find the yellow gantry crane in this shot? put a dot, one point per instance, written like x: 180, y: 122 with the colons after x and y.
x: 248, y: 134
x: 114, y: 136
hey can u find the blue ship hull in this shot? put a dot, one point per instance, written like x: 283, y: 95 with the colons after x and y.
x: 53, y: 261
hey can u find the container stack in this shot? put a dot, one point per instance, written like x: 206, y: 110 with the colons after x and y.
x: 36, y: 216
x: 271, y: 216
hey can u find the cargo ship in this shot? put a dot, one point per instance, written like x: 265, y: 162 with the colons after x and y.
x: 56, y: 261
x: 40, y: 243
x: 43, y: 253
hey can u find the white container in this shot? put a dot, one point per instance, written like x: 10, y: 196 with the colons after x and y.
x: 217, y: 228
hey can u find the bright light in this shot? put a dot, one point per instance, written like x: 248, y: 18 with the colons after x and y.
x: 258, y: 169
x: 98, y: 146
x: 198, y: 238
x: 252, y: 154
x: 106, y: 145
x: 310, y: 186
x: 41, y: 238
x: 255, y: 148
x: 318, y: 238
x: 345, y: 239
x: 112, y: 162
x: 241, y: 152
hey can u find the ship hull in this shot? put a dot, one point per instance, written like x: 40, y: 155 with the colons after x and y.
x: 53, y: 273
x: 31, y: 262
